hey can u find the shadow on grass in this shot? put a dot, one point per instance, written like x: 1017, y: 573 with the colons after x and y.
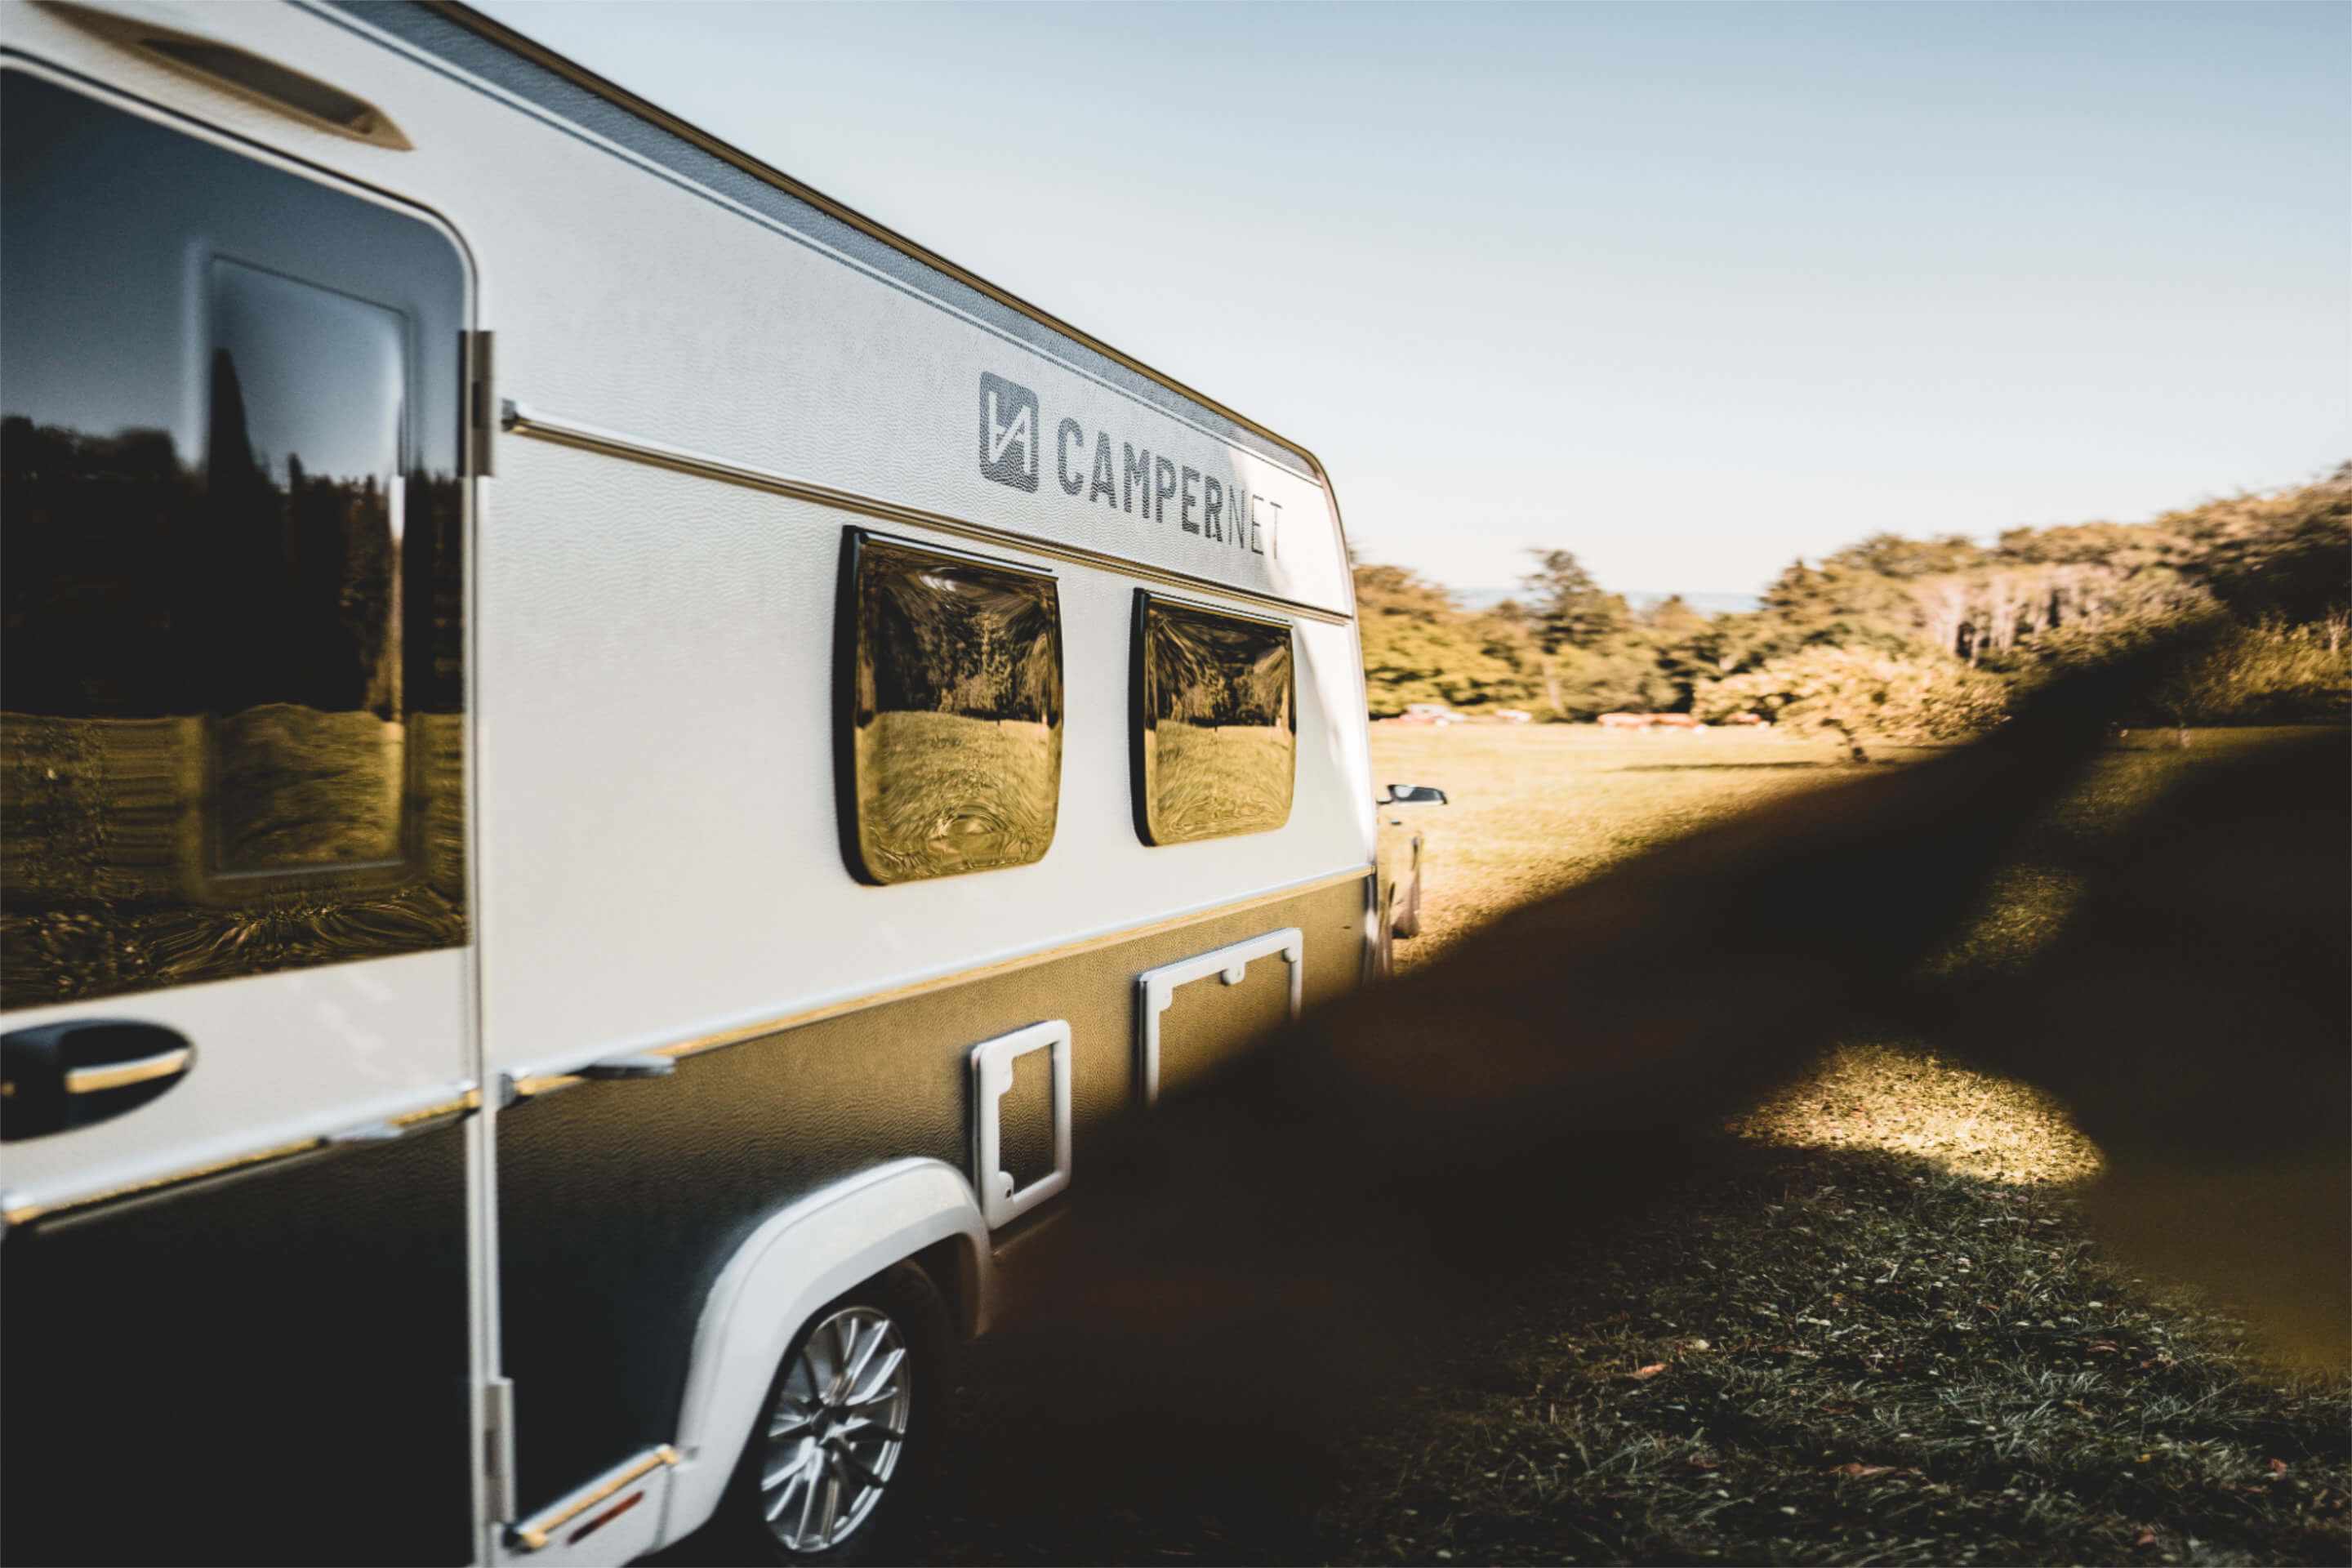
x: 1855, y: 1355
x: 1774, y: 1355
x: 1021, y: 1480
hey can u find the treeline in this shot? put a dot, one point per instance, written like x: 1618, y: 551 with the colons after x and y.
x: 1906, y: 637
x: 134, y: 584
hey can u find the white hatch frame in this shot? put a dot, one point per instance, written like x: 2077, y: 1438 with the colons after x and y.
x: 1155, y: 989
x: 992, y: 1075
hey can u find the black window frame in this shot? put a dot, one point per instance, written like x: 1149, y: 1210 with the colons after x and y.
x: 1143, y: 722
x: 847, y: 650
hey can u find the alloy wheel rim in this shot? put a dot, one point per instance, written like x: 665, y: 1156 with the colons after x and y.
x: 836, y: 1430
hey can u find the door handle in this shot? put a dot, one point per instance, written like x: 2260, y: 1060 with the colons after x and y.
x: 58, y: 1077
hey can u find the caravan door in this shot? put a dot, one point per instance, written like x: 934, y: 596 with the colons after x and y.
x: 238, y: 955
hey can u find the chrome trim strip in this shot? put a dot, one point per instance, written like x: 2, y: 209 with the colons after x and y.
x: 535, y: 1531
x: 16, y: 1209
x: 520, y: 419
x: 21, y: 1213
x: 529, y: 1084
x: 121, y: 1075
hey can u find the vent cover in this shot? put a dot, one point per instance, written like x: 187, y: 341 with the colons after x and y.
x: 249, y: 76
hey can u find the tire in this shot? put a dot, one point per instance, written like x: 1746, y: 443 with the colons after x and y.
x: 820, y: 1463
x: 1407, y: 923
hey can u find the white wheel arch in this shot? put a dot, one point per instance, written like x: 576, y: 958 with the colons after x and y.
x: 800, y: 1259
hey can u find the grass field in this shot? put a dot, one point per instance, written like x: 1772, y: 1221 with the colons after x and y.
x: 1534, y: 809
x: 1875, y: 1331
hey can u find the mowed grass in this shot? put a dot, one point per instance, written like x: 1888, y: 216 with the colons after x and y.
x: 1533, y: 809
x: 1538, y: 808
x: 1873, y: 1330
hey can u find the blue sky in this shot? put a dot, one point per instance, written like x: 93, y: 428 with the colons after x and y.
x: 1690, y: 289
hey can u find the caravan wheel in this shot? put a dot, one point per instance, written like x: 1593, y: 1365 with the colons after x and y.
x: 826, y: 1473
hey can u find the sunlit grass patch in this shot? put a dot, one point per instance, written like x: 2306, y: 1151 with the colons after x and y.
x: 1909, y: 1101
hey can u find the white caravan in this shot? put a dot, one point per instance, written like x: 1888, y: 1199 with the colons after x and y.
x: 564, y: 905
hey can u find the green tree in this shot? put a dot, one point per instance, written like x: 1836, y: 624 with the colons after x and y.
x: 1620, y: 676
x: 1671, y: 620
x: 1682, y: 645
x: 1410, y: 660
x: 2286, y: 555
x: 1394, y: 591
x: 1892, y: 556
x: 2267, y: 671
x: 1420, y: 647
x: 1854, y: 695
x: 1571, y: 609
x: 1507, y: 631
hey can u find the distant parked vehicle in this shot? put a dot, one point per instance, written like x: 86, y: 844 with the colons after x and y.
x: 1683, y: 721
x: 1399, y: 860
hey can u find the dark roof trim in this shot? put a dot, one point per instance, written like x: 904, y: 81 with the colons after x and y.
x: 474, y: 43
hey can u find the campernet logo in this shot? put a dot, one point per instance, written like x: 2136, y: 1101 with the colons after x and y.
x: 1008, y: 433
x: 1212, y: 501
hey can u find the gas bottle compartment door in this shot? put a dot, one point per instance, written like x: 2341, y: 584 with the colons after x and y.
x: 1038, y: 1128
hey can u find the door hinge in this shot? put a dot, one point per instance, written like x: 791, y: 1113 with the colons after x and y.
x: 481, y: 407
x: 497, y: 1448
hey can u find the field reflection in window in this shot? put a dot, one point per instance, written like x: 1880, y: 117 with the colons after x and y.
x: 1217, y: 732
x: 955, y: 723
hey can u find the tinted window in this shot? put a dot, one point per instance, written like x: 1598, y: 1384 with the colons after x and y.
x: 951, y: 749
x: 1216, y: 735
x: 230, y: 643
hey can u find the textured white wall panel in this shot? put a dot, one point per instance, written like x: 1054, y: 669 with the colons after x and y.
x: 658, y: 851
x: 280, y: 1058
x: 656, y: 840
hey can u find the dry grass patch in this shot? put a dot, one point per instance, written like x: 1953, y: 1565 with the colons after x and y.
x: 1538, y: 809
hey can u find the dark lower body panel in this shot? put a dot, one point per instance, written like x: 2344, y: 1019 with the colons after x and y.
x: 620, y: 1200
x: 266, y: 1367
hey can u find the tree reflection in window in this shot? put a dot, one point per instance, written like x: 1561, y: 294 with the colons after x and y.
x: 301, y: 608
x: 231, y: 656
x: 951, y: 753
x: 1217, y: 733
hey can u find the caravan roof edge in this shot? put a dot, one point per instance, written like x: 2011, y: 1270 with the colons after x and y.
x: 489, y: 30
